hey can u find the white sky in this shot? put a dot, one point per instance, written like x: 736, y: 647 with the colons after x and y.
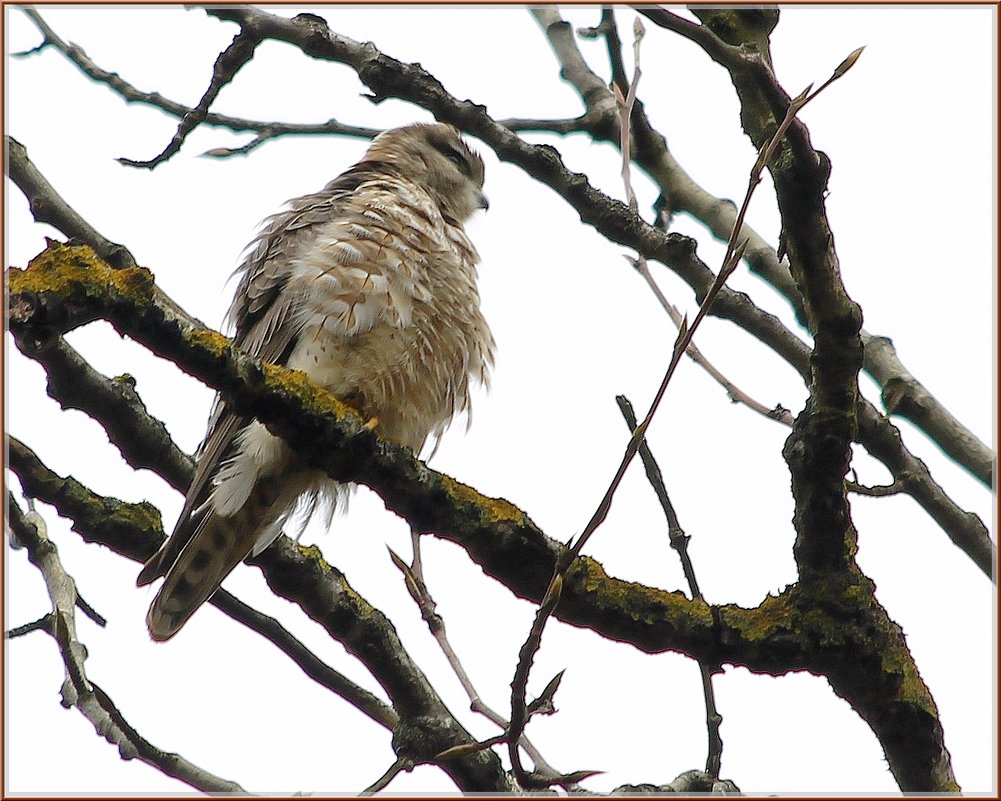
x: 911, y: 137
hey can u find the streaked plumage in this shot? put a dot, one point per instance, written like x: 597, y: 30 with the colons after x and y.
x: 369, y: 287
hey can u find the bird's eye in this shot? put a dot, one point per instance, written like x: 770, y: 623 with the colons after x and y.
x: 452, y: 149
x: 459, y: 160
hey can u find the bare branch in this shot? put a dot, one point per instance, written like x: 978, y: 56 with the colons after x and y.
x: 558, y: 126
x: 78, y: 690
x: 413, y: 575
x: 381, y: 72
x: 652, y: 619
x: 498, y: 536
x: 46, y: 623
x: 778, y: 412
x: 310, y: 664
x: 626, y: 105
x: 679, y: 541
x: 691, y: 781
x: 608, y: 30
x: 48, y: 207
x: 882, y: 491
x: 904, y: 396
x: 678, y: 538
x: 264, y: 130
x: 239, y: 53
x: 818, y: 451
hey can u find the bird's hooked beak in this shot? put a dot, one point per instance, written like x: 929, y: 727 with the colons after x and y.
x: 482, y: 201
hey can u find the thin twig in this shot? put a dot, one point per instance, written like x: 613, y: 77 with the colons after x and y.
x: 679, y: 541
x: 519, y: 684
x: 413, y: 575
x: 401, y: 765
x: 46, y: 623
x: 878, y: 491
x: 310, y: 664
x: 625, y: 105
x: 90, y: 612
x: 238, y: 54
x: 778, y: 412
x: 714, y: 720
x: 676, y: 534
x: 563, y: 127
x: 608, y: 30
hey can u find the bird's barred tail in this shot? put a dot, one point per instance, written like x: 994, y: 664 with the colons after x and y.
x: 219, y: 545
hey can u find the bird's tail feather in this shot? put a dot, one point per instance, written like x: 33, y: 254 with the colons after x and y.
x: 218, y: 545
x: 199, y: 570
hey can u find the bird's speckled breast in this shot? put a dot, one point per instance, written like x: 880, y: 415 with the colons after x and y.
x: 389, y: 320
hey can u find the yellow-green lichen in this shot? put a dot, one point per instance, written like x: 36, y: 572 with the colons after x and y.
x: 313, y: 396
x: 647, y: 605
x: 143, y: 516
x: 314, y: 554
x: 774, y: 613
x: 898, y: 662
x: 210, y: 340
x: 293, y: 382
x: 72, y: 269
x: 495, y: 510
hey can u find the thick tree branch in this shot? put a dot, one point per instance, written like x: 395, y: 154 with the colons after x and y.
x: 142, y: 439
x: 865, y: 657
x: 818, y: 451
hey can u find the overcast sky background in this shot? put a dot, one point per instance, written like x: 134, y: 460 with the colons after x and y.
x: 910, y: 132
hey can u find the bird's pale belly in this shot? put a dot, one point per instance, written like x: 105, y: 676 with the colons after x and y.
x: 386, y: 374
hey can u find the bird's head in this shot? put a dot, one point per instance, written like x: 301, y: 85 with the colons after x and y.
x: 435, y: 156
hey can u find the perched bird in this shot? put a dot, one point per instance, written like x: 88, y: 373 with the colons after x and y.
x: 368, y: 287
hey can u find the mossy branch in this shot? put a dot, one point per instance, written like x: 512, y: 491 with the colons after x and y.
x: 833, y: 627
